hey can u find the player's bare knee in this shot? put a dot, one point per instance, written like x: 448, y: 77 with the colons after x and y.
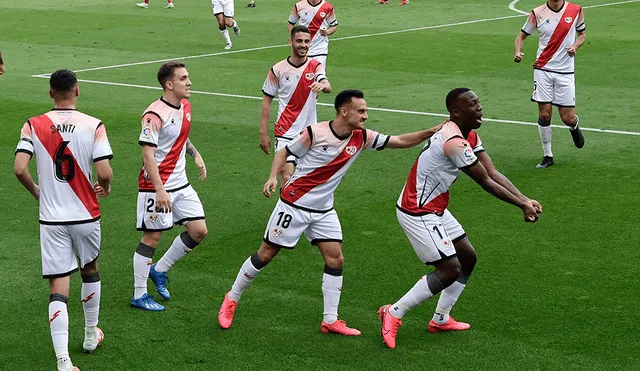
x: 568, y: 118
x: 448, y: 271
x: 89, y: 269
x: 198, y: 234
x: 267, y: 252
x: 336, y: 261
x: 151, y: 239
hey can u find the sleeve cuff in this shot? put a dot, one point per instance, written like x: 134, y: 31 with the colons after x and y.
x: 143, y: 143
x: 107, y: 157
x: 24, y: 151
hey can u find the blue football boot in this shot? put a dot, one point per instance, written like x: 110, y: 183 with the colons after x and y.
x: 146, y: 302
x: 160, y: 280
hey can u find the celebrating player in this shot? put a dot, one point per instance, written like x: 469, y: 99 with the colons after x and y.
x: 165, y: 196
x: 296, y: 81
x: 557, y: 22
x: 325, y: 151
x: 66, y: 142
x: 223, y: 10
x: 436, y: 236
x: 320, y: 18
x: 145, y: 4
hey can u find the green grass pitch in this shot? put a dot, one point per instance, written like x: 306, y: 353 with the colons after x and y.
x: 560, y: 294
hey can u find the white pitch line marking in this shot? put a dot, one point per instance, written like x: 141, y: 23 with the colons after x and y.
x: 418, y: 113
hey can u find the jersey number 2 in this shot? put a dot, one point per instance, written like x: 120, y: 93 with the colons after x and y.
x: 65, y: 164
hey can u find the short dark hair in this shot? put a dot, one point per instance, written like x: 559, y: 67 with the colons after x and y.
x: 345, y: 97
x: 166, y: 71
x: 63, y: 81
x: 452, y: 97
x: 299, y: 28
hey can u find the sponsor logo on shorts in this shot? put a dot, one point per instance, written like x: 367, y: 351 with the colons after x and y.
x: 351, y: 150
x: 153, y: 218
x: 277, y: 231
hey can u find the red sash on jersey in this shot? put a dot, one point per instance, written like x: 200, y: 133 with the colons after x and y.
x: 170, y: 161
x: 559, y: 34
x: 303, y: 185
x: 298, y: 99
x: 412, y: 205
x: 318, y: 18
x: 52, y: 140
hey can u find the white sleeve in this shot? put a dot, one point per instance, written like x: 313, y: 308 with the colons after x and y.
x: 376, y: 141
x: 530, y: 24
x: 25, y: 144
x: 320, y: 73
x: 101, y: 147
x: 300, y: 145
x: 293, y: 17
x: 271, y: 84
x: 460, y: 152
x: 151, y: 125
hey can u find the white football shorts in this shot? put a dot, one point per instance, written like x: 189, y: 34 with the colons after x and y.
x: 279, y: 143
x: 61, y: 244
x: 288, y: 223
x: 223, y: 7
x: 555, y: 88
x: 185, y: 207
x: 322, y: 59
x: 428, y: 237
x: 452, y: 227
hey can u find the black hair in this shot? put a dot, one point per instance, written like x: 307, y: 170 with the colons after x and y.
x: 452, y: 97
x: 345, y: 97
x: 166, y: 71
x: 63, y: 81
x: 299, y: 28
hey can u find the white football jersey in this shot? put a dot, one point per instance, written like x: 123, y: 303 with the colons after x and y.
x: 296, y: 101
x: 437, y: 167
x: 323, y: 159
x: 167, y: 128
x: 557, y: 31
x: 315, y: 17
x: 66, y: 142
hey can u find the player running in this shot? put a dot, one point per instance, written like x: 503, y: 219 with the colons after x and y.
x: 557, y: 22
x: 436, y: 236
x: 320, y: 18
x: 65, y: 143
x: 296, y: 81
x: 165, y: 196
x: 224, y: 12
x: 325, y: 151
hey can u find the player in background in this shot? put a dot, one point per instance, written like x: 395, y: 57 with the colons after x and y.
x: 557, y: 22
x: 145, y: 4
x: 436, y: 236
x: 385, y: 2
x: 65, y: 143
x: 251, y: 4
x: 325, y: 151
x: 223, y: 10
x: 165, y: 196
x: 296, y: 81
x: 1, y: 64
x: 320, y: 18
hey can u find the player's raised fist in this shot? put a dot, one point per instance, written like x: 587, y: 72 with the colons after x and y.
x: 530, y: 213
x: 518, y: 57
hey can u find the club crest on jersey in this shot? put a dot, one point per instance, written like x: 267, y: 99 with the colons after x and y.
x: 351, y: 150
x: 188, y: 116
x: 277, y: 231
x: 323, y: 14
x: 568, y: 19
x: 310, y: 75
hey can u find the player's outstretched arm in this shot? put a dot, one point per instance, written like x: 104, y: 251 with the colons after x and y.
x: 479, y: 174
x: 193, y: 152
x: 278, y: 162
x: 21, y: 170
x: 412, y: 139
x: 102, y: 187
x: 265, y: 111
x: 501, y: 179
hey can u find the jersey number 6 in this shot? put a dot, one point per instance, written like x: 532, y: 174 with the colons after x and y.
x: 64, y: 163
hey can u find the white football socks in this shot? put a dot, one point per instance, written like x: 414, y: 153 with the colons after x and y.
x: 181, y: 246
x: 225, y: 35
x: 91, y: 302
x: 448, y: 299
x: 545, y: 138
x: 142, y: 260
x: 246, y: 275
x: 331, y: 290
x: 423, y: 290
x: 59, y: 326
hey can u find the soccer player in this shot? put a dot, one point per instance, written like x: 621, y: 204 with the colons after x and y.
x: 320, y: 18
x: 223, y: 10
x: 557, y: 22
x: 436, y: 236
x: 145, y: 4
x: 252, y: 4
x: 385, y: 2
x: 1, y: 64
x: 165, y: 196
x: 296, y: 81
x: 65, y: 143
x: 325, y: 151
